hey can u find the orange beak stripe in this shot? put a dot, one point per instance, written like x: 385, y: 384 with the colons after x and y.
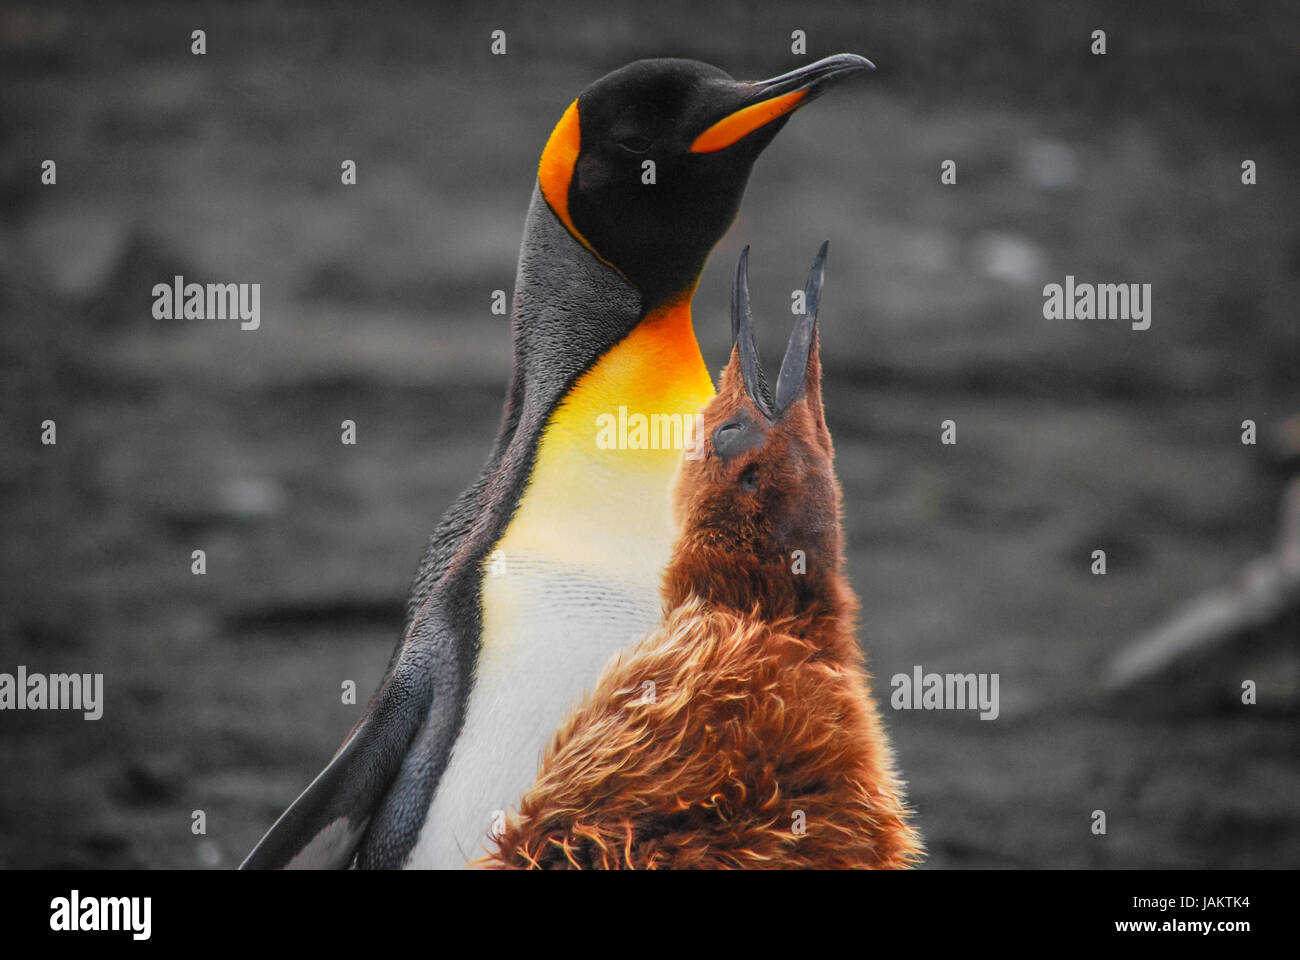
x: 745, y: 121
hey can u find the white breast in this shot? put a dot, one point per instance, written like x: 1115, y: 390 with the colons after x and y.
x: 549, y: 630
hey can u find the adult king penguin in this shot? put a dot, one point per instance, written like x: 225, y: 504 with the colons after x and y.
x: 551, y: 561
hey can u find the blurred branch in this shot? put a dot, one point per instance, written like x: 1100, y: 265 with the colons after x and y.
x: 1265, y: 593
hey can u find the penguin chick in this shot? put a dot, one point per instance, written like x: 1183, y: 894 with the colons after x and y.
x: 742, y: 733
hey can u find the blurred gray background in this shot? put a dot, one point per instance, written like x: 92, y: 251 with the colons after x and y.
x: 222, y: 691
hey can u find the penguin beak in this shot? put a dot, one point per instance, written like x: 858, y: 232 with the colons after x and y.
x: 776, y: 97
x: 742, y: 332
x: 794, y: 365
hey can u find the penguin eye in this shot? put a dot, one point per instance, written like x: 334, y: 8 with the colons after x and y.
x: 749, y: 478
x: 634, y: 143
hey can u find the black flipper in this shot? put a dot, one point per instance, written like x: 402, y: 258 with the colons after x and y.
x: 324, y: 826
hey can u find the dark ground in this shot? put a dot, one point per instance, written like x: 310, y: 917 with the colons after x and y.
x: 223, y: 690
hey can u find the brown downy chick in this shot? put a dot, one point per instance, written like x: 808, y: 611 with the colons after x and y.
x: 741, y: 733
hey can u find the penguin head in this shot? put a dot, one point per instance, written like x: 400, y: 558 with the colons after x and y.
x: 648, y: 166
x: 764, y: 484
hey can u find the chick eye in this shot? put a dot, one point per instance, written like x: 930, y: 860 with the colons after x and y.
x: 749, y: 479
x: 634, y: 144
x: 725, y: 433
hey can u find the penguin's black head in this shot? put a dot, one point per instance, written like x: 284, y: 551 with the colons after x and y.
x: 647, y: 167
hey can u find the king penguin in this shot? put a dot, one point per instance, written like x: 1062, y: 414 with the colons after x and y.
x: 551, y: 561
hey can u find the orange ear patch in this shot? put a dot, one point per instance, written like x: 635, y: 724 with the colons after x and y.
x: 555, y: 172
x: 745, y: 121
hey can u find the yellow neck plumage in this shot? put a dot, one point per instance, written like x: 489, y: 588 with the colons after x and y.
x: 598, y: 494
